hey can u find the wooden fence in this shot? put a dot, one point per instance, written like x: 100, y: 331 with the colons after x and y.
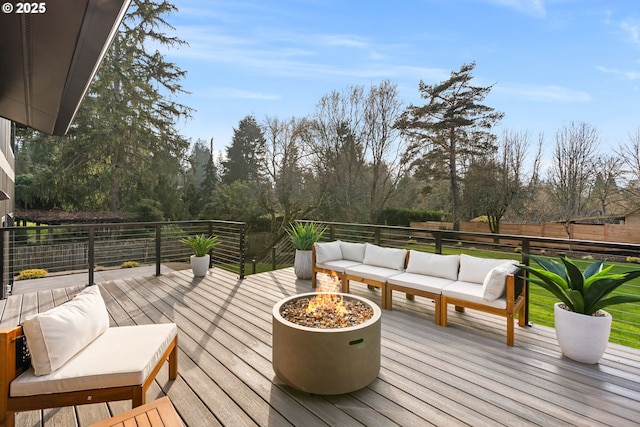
x: 612, y: 233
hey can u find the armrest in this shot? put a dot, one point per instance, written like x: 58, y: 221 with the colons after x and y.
x: 14, y: 359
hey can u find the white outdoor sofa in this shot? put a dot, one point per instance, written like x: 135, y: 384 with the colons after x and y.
x: 75, y: 358
x: 489, y: 285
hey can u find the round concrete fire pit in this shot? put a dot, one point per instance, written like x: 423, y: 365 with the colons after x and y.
x: 326, y: 361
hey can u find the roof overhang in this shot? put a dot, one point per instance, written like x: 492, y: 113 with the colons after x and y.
x: 47, y: 60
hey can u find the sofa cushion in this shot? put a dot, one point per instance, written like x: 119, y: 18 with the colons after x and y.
x: 338, y: 266
x: 384, y: 257
x: 473, y: 292
x: 372, y: 272
x: 328, y: 251
x: 353, y: 251
x: 55, y: 336
x: 420, y: 282
x: 474, y: 269
x: 122, y: 356
x: 494, y: 284
x: 445, y: 266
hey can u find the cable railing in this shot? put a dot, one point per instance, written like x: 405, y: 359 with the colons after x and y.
x: 88, y: 247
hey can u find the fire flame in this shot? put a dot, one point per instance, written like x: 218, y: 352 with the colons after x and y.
x: 329, y: 299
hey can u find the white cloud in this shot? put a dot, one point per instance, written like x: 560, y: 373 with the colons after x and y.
x: 233, y: 93
x: 544, y: 93
x: 632, y: 28
x: 630, y: 75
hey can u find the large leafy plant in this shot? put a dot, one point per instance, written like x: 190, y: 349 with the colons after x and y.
x: 200, y: 244
x: 583, y: 292
x: 304, y: 235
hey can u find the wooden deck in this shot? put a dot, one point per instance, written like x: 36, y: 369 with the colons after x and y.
x: 460, y: 375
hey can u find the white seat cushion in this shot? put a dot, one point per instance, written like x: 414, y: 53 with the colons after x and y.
x: 384, y: 257
x: 338, y: 266
x: 420, y: 282
x: 328, y: 251
x: 495, y: 282
x: 56, y: 335
x: 353, y: 251
x: 472, y: 292
x: 121, y: 356
x: 379, y: 274
x: 445, y: 266
x: 475, y: 270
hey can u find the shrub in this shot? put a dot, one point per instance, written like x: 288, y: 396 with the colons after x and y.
x: 130, y: 264
x: 633, y: 259
x: 35, y: 273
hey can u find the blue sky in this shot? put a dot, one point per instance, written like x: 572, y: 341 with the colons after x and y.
x: 552, y: 61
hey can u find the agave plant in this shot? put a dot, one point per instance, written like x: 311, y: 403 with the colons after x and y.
x: 200, y: 244
x: 582, y: 292
x: 304, y: 235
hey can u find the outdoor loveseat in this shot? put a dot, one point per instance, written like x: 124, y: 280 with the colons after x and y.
x: 70, y: 356
x: 488, y: 285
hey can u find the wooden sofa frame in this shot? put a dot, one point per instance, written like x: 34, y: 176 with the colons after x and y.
x: 516, y: 302
x: 11, y: 366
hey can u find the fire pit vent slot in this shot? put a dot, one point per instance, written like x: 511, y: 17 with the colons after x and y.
x: 354, y: 342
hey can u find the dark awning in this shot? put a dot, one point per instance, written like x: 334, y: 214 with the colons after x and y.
x: 48, y: 59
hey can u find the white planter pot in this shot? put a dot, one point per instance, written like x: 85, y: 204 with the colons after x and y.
x: 200, y: 265
x: 581, y: 337
x: 302, y: 264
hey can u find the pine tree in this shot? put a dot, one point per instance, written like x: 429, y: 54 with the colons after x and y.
x: 450, y: 129
x: 245, y: 154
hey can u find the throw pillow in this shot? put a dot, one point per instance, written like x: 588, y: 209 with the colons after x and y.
x: 475, y: 270
x: 494, y: 284
x: 55, y: 336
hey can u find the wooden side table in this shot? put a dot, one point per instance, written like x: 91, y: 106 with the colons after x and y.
x: 159, y: 413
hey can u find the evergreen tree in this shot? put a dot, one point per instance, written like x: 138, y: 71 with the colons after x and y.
x: 123, y: 145
x: 245, y: 154
x: 453, y: 127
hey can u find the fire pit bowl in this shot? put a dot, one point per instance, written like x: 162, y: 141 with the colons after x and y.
x: 326, y: 361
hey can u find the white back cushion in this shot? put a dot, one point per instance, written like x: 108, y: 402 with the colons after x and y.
x: 445, y: 266
x: 384, y: 257
x: 55, y: 336
x: 494, y: 284
x: 328, y: 251
x: 475, y: 270
x: 353, y: 251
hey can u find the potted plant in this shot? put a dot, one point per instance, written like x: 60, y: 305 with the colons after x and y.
x: 200, y: 245
x: 582, y: 326
x: 303, y: 236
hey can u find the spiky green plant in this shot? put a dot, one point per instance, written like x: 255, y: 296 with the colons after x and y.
x: 200, y: 244
x: 583, y: 292
x: 304, y: 235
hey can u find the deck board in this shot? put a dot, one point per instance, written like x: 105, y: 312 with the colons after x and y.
x: 463, y: 374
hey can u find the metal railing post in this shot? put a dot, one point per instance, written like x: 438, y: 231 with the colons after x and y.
x: 158, y: 248
x: 438, y: 243
x: 242, y: 249
x: 91, y: 257
x: 526, y: 246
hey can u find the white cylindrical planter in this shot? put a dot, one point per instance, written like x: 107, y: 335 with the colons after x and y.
x: 581, y: 337
x: 302, y: 264
x: 200, y: 265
